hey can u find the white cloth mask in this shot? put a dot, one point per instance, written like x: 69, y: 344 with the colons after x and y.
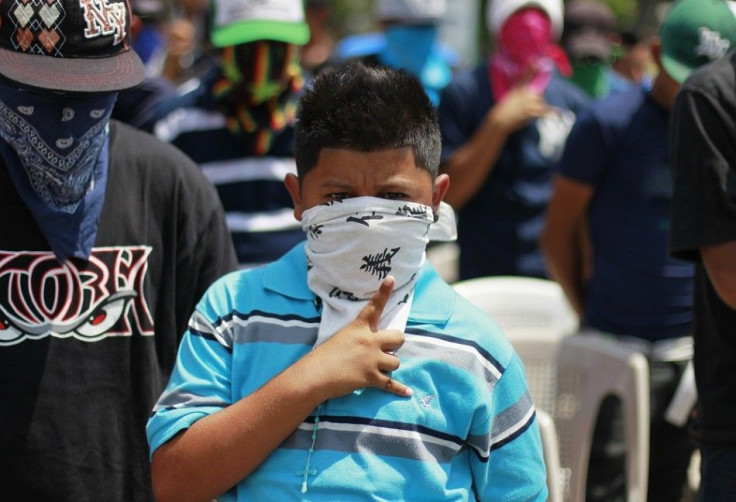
x: 354, y: 244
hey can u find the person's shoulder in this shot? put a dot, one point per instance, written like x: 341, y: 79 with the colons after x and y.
x: 468, y: 88
x: 277, y: 290
x: 474, y: 326
x: 618, y: 106
x: 717, y: 79
x: 561, y: 92
x: 133, y: 144
x: 619, y: 83
x: 475, y: 79
x: 139, y: 148
x: 136, y: 154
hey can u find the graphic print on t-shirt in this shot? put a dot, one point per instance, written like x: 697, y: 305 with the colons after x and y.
x: 553, y: 129
x: 87, y: 300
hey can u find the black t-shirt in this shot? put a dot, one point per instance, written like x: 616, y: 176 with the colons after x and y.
x: 703, y: 139
x: 86, y: 348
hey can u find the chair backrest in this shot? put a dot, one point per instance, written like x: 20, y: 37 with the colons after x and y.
x: 591, y: 367
x: 522, y: 304
x: 551, y: 455
x: 445, y: 257
x: 534, y: 315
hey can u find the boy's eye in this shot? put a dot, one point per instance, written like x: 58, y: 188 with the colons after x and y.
x: 394, y: 195
x: 338, y: 196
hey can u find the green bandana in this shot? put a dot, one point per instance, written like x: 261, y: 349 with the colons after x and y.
x: 591, y: 78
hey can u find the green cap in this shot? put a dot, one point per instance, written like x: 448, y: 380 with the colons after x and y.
x: 695, y: 33
x: 236, y: 22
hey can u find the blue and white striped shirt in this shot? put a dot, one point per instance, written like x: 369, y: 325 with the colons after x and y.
x: 258, y: 209
x: 467, y: 433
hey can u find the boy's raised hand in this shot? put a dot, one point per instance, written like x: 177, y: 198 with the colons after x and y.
x: 361, y: 355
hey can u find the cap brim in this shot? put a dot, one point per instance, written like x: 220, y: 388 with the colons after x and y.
x: 252, y: 30
x: 122, y: 71
x: 678, y: 71
x: 585, y: 45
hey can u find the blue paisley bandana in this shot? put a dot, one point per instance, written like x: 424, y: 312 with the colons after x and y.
x: 55, y: 150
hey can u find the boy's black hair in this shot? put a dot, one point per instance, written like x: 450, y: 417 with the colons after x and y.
x: 355, y: 107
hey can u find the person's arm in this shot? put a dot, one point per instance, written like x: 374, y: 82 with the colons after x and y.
x: 241, y: 436
x: 703, y: 217
x: 564, y: 240
x: 720, y: 262
x: 470, y: 164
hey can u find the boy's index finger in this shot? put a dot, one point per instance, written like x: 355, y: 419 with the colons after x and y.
x: 371, y: 313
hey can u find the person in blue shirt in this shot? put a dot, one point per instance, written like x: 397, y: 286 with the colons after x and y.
x: 348, y: 369
x: 605, y: 240
x: 409, y: 39
x: 504, y: 124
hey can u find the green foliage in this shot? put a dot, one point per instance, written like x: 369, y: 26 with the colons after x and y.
x: 626, y: 11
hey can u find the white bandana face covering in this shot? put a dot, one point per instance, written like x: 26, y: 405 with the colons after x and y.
x: 354, y: 244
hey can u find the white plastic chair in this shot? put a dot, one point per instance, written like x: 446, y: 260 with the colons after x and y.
x: 591, y: 367
x: 534, y: 314
x: 522, y: 304
x: 445, y: 257
x: 551, y: 453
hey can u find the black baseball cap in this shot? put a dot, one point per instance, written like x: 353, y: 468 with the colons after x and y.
x: 588, y: 28
x: 68, y: 45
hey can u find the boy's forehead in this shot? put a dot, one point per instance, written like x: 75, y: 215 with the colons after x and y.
x: 392, y: 167
x: 396, y: 157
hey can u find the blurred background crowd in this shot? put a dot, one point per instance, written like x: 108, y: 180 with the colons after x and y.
x: 555, y: 119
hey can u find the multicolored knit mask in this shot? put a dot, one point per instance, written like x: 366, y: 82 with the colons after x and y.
x: 258, y: 89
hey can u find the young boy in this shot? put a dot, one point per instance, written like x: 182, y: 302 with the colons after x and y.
x: 348, y: 369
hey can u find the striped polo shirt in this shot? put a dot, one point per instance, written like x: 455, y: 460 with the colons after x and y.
x: 467, y: 433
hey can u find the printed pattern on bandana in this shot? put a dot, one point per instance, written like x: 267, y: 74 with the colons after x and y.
x: 353, y: 245
x: 88, y: 301
x: 38, y: 24
x: 60, y: 166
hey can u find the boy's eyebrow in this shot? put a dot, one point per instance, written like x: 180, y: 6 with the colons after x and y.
x: 335, y: 183
x: 387, y: 185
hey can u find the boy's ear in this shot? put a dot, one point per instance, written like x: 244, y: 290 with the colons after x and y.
x: 441, y: 185
x: 292, y: 185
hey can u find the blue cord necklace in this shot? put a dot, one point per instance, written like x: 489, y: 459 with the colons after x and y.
x: 307, y: 471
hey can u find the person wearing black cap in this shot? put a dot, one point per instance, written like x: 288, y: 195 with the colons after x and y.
x: 588, y: 36
x: 107, y: 239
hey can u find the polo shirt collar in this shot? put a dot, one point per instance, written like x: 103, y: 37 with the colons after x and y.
x: 433, y: 300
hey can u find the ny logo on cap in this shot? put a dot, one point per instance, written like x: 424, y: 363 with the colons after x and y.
x: 711, y: 44
x: 104, y: 18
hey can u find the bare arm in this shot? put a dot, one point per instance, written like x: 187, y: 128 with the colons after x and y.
x: 720, y: 262
x: 240, y: 437
x: 564, y: 240
x: 471, y: 164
